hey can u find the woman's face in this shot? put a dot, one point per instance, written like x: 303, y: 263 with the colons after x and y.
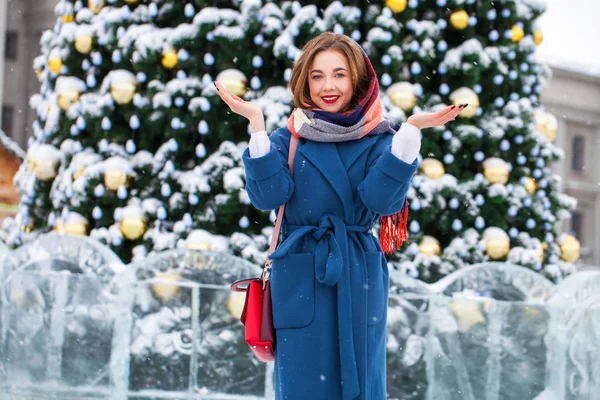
x: 329, y: 81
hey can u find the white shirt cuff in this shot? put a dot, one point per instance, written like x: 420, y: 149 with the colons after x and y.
x: 406, y: 143
x: 260, y: 144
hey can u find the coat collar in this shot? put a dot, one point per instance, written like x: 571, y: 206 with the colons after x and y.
x: 326, y: 158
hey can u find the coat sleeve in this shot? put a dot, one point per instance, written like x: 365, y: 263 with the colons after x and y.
x: 268, y: 180
x: 384, y: 188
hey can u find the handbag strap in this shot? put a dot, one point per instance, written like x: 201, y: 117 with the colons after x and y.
x: 275, y: 239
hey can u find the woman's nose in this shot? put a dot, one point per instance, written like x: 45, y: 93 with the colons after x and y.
x: 329, y: 84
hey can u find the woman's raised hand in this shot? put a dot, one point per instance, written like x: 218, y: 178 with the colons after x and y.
x: 238, y: 105
x: 438, y: 118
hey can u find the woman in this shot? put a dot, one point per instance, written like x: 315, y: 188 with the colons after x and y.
x: 329, y: 280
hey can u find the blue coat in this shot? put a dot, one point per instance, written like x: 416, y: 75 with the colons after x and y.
x: 329, y: 281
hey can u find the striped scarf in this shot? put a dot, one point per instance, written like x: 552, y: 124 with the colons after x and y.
x: 366, y: 119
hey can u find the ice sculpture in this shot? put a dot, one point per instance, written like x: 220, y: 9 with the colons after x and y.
x: 574, y: 339
x: 59, y: 316
x: 487, y: 335
x: 476, y: 334
x: 186, y: 336
x: 407, y: 329
x: 77, y: 323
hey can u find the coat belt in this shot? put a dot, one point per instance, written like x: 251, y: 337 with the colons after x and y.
x: 331, y: 254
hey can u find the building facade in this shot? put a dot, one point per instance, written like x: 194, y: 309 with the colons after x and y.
x: 22, y: 23
x: 573, y: 97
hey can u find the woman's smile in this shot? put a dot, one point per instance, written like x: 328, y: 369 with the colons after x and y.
x: 330, y: 99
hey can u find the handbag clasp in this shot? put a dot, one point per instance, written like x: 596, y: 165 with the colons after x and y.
x: 266, y: 273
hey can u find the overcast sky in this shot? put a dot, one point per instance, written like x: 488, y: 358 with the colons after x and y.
x: 571, y: 31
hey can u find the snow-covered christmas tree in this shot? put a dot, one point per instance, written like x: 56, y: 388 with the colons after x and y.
x: 132, y: 145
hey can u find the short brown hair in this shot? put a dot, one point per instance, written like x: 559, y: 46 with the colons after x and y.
x: 336, y: 42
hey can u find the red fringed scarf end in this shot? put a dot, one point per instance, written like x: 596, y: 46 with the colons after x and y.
x: 393, y: 230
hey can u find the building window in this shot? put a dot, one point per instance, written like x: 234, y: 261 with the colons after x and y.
x: 578, y: 145
x: 576, y: 225
x: 7, y: 119
x: 10, y: 51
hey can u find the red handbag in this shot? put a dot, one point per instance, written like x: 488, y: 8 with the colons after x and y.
x: 257, y: 314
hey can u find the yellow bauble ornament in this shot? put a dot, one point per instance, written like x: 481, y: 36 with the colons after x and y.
x: 96, y: 5
x: 166, y: 291
x: 495, y: 170
x: 433, y: 168
x: 131, y: 1
x: 68, y: 88
x: 193, y: 245
x: 133, y: 224
x: 402, y: 94
x: 517, y: 33
x: 430, y: 246
x: 459, y: 19
x: 235, y: 304
x: 234, y: 81
x: 569, y: 248
x: 496, y: 248
x: 27, y: 228
x: 43, y: 161
x: 78, y: 229
x: 551, y: 127
x: 38, y: 74
x: 397, y: 6
x: 83, y: 44
x: 530, y: 185
x: 132, y: 228
x: 68, y: 18
x: 55, y: 65
x: 79, y: 172
x: 67, y: 99
x: 546, y: 124
x: 497, y: 243
x: 123, y: 84
x: 73, y: 224
x: 538, y: 37
x: 115, y: 173
x: 464, y: 95
x: 115, y: 179
x: 466, y: 311
x: 169, y: 59
x: 122, y: 93
x: 31, y: 164
x: 540, y: 254
x: 200, y: 239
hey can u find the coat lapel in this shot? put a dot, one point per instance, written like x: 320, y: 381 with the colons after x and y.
x: 327, y: 160
x: 352, y: 151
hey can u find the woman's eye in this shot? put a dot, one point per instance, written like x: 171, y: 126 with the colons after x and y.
x: 336, y: 75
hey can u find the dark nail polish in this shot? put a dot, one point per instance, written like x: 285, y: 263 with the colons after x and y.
x: 215, y: 83
x: 452, y: 107
x: 466, y: 105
